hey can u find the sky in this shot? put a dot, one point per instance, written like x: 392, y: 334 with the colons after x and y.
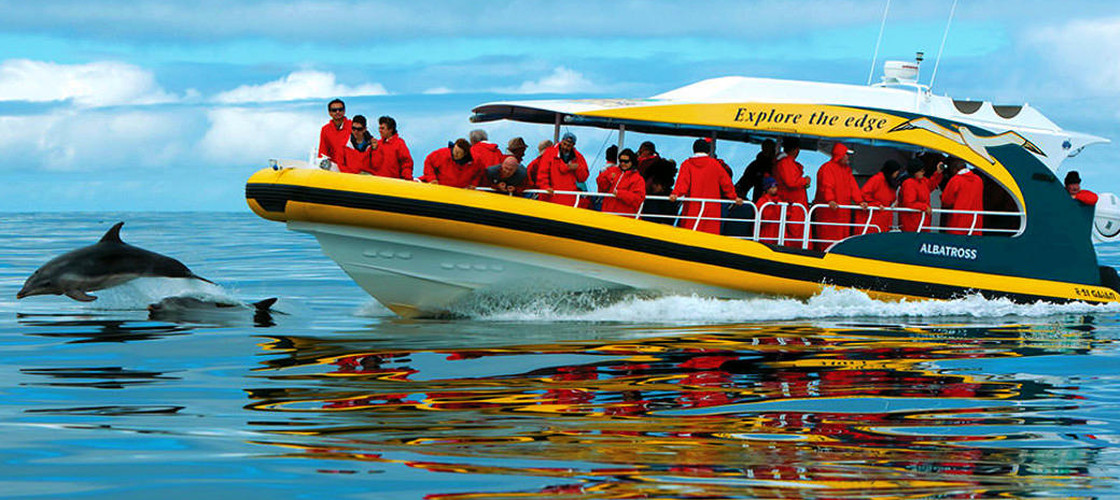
x: 170, y: 106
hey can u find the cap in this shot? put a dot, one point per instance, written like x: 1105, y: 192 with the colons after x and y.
x: 768, y: 182
x: 568, y: 136
x: 517, y: 143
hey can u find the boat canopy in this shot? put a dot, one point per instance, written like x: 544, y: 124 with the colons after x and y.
x: 753, y: 109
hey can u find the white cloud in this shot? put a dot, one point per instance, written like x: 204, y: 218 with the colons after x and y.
x: 298, y: 85
x: 1067, y: 48
x: 246, y: 136
x: 437, y: 91
x: 561, y: 81
x: 103, y: 83
x: 92, y: 140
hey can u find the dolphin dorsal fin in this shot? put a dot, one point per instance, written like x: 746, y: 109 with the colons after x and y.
x: 113, y: 235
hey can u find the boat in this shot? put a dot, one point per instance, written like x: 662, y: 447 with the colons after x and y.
x: 421, y: 249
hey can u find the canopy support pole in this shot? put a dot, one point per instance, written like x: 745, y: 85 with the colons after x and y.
x: 621, y: 136
x: 556, y: 130
x: 713, y: 151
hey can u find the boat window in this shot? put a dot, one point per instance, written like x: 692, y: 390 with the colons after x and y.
x: 967, y: 107
x: 1007, y: 111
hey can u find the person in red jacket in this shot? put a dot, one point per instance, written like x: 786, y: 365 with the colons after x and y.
x: 835, y: 186
x: 792, y: 185
x: 703, y: 177
x: 880, y: 191
x: 452, y: 166
x: 914, y: 193
x: 1073, y: 187
x: 334, y: 135
x: 625, y: 183
x: 561, y: 169
x: 357, y: 155
x: 771, y: 214
x: 535, y: 165
x: 485, y: 153
x: 964, y: 191
x: 392, y: 158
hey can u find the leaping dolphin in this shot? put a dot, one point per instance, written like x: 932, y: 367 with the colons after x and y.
x: 105, y: 264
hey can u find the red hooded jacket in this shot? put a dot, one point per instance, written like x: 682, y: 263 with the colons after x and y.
x: 792, y: 186
x: 392, y: 158
x: 965, y: 191
x: 486, y: 154
x: 629, y: 190
x: 877, y: 191
x: 356, y: 162
x: 554, y: 174
x: 441, y: 167
x: 835, y: 183
x: 703, y: 177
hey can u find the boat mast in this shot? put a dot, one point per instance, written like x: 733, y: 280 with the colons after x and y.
x: 875, y: 56
x: 944, y: 37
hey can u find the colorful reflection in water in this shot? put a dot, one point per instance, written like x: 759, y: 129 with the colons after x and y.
x: 787, y: 411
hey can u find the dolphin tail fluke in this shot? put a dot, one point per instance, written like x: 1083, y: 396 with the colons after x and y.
x: 265, y: 304
x: 113, y: 234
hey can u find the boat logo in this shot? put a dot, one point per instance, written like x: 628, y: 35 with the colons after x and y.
x: 949, y: 251
x: 966, y: 137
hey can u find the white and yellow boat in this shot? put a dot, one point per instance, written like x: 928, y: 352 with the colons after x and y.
x: 418, y: 248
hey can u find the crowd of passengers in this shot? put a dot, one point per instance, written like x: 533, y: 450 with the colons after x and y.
x: 775, y: 180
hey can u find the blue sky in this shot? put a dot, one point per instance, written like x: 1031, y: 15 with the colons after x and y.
x: 143, y: 105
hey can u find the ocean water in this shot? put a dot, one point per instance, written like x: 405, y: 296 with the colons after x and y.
x: 607, y: 396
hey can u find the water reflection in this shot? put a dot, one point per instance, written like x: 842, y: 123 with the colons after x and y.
x: 790, y: 411
x: 92, y: 329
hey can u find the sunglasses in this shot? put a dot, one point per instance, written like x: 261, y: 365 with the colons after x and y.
x: 336, y: 110
x: 358, y: 128
x: 620, y: 160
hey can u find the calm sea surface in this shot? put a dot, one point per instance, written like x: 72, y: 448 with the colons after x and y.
x: 562, y: 397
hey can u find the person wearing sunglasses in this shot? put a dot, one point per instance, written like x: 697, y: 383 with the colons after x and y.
x: 357, y: 157
x: 335, y: 134
x: 625, y: 184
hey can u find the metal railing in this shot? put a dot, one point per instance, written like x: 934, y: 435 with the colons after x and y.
x: 862, y: 224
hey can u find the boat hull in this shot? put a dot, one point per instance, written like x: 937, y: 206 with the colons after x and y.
x: 553, y: 247
x: 422, y: 276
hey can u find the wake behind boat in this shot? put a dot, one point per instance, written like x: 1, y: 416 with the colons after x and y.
x: 420, y: 248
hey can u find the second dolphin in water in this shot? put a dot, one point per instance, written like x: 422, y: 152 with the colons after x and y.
x: 105, y: 264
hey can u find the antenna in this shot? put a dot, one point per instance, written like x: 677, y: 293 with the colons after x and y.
x: 943, y: 38
x: 875, y: 56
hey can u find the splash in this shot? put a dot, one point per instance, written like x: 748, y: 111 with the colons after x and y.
x: 830, y: 303
x: 142, y: 292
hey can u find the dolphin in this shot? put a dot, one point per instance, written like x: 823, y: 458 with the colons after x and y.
x: 105, y: 264
x: 196, y: 310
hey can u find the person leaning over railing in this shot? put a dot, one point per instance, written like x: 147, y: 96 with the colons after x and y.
x: 881, y: 191
x: 625, y: 184
x: 914, y: 194
x: 703, y: 177
x: 509, y: 177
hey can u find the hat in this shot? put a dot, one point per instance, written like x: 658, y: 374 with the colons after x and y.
x: 1073, y: 178
x: 568, y: 136
x: 914, y: 165
x: 768, y: 182
x: 517, y: 143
